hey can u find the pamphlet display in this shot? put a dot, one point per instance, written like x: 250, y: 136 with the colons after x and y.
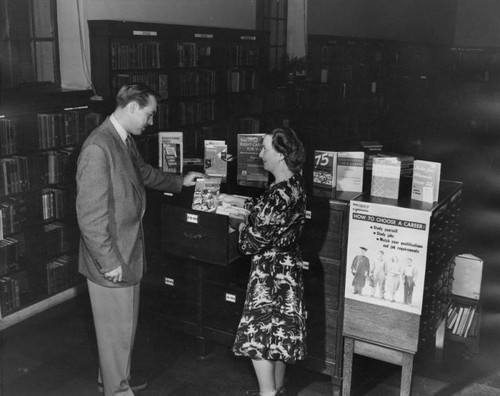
x: 325, y: 168
x: 250, y: 168
x: 216, y: 158
x: 386, y: 173
x: 206, y: 194
x: 425, y: 182
x: 350, y: 168
x: 171, y: 149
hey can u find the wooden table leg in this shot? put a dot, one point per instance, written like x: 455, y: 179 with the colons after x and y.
x: 406, y: 374
x: 347, y: 367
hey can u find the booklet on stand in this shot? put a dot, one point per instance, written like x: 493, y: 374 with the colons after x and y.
x: 215, y: 163
x: 206, y: 194
x: 250, y: 168
x: 170, y: 146
x: 386, y: 173
x: 425, y: 181
x: 325, y: 169
x: 350, y: 169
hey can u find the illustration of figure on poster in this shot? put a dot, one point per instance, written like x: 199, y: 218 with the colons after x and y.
x: 392, y: 280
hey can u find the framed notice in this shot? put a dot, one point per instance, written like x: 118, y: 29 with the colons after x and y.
x: 386, y: 255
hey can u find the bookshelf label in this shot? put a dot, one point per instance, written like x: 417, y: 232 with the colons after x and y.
x: 169, y: 281
x: 192, y: 218
x: 145, y: 33
x: 230, y: 297
x: 248, y: 38
x: 204, y: 35
x: 75, y: 108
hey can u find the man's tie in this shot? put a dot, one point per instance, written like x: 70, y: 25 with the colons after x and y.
x: 129, y: 144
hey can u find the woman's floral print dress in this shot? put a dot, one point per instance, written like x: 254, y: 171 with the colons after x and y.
x: 272, y: 325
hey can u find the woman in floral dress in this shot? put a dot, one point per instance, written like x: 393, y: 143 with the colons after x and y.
x: 272, y: 330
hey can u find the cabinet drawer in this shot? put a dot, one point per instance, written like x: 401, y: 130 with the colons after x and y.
x: 176, y: 297
x: 198, y: 235
x: 235, y: 275
x: 322, y: 234
x: 222, y: 307
x: 323, y: 283
x: 322, y: 332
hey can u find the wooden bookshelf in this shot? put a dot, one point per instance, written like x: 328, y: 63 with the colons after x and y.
x: 40, y: 139
x: 210, y: 79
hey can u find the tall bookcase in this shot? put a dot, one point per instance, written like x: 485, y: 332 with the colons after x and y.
x: 40, y: 140
x: 212, y: 81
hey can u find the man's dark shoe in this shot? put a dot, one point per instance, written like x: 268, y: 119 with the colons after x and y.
x: 136, y: 383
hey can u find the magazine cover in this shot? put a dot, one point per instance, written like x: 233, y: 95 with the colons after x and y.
x: 170, y: 146
x: 425, y: 181
x: 206, y: 194
x: 386, y: 174
x: 325, y: 168
x: 250, y: 169
x: 215, y: 163
x: 350, y: 168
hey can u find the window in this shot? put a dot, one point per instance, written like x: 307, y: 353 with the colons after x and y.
x: 29, y: 53
x: 272, y: 18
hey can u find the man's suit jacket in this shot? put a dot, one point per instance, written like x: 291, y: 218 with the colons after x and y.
x: 110, y: 205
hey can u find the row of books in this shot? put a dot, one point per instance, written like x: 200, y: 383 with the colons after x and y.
x: 462, y: 320
x: 196, y: 112
x: 135, y: 55
x: 61, y: 129
x: 12, y: 215
x: 54, y: 165
x: 8, y: 137
x: 57, y: 239
x: 61, y: 273
x: 11, y: 288
x: 241, y: 80
x: 196, y: 82
x: 158, y: 82
x: 53, y: 204
x: 9, y: 255
x: 14, y: 175
x: 195, y: 54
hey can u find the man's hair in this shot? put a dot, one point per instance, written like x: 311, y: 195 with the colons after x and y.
x: 139, y: 93
x: 286, y: 142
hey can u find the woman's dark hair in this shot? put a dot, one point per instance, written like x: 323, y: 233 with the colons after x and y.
x: 286, y: 142
x: 139, y: 93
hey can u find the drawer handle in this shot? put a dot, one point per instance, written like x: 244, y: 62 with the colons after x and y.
x: 193, y: 236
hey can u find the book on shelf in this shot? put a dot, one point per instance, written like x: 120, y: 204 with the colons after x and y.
x: 350, y: 169
x: 325, y: 169
x: 215, y: 158
x: 171, y: 147
x: 467, y: 276
x: 250, y: 168
x: 206, y: 194
x: 462, y: 319
x: 386, y: 173
x: 425, y: 181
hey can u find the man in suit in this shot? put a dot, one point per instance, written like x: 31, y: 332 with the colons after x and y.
x: 110, y: 205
